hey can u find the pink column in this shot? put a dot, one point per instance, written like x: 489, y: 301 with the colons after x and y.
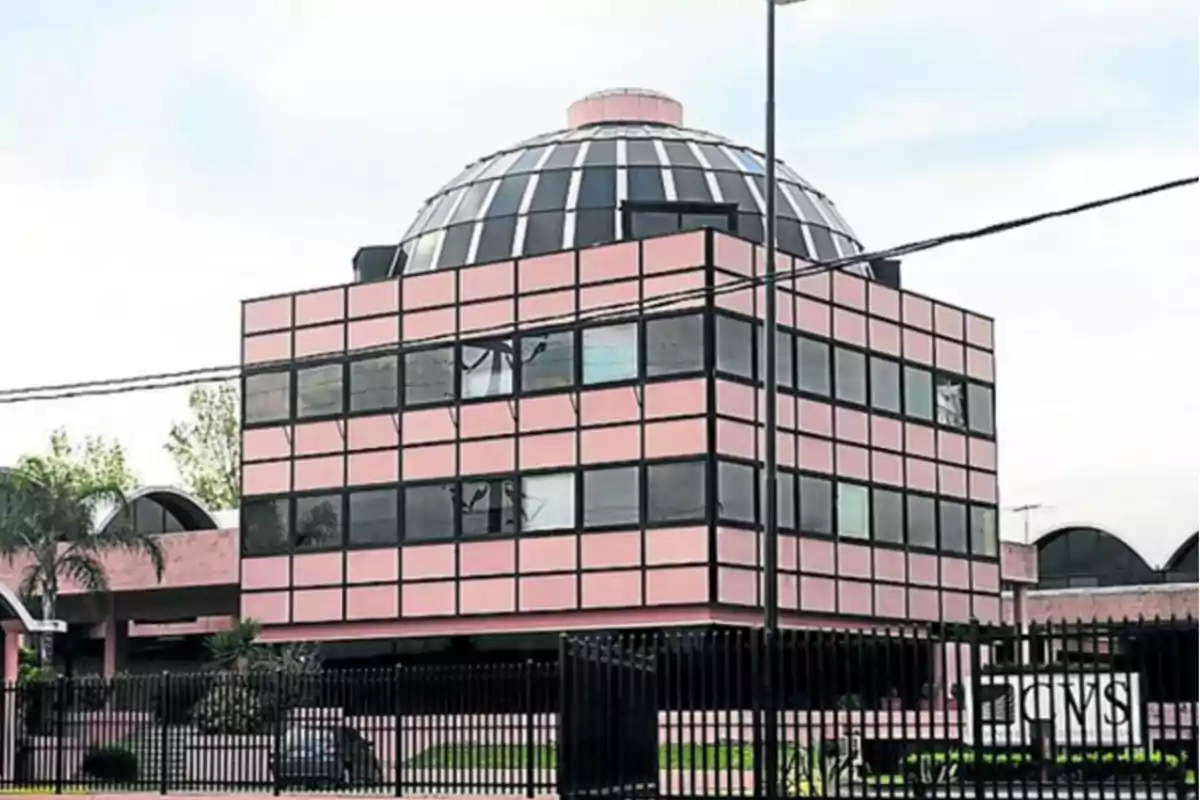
x: 116, y: 638
x: 13, y: 639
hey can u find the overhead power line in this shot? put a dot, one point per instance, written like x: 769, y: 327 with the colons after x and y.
x: 611, y: 312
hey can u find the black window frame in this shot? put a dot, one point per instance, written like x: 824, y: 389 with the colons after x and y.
x: 290, y: 400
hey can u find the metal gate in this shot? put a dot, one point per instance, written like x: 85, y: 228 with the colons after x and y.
x: 608, y: 723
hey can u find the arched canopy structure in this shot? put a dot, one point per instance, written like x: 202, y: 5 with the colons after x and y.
x: 1182, y: 563
x: 161, y: 509
x: 1086, y: 556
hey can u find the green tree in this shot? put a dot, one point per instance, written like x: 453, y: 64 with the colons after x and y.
x: 51, y: 503
x: 207, y: 448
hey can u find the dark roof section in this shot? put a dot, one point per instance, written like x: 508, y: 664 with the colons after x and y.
x: 1078, y: 556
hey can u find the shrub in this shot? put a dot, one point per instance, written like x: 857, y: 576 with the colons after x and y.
x: 230, y: 708
x: 91, y: 693
x: 112, y: 763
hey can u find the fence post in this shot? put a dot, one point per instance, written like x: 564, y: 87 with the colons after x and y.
x: 397, y: 734
x: 60, y: 714
x: 530, y: 744
x: 164, y: 715
x: 278, y: 734
x: 562, y: 754
x: 973, y: 709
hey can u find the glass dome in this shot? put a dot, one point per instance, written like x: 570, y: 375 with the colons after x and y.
x: 625, y: 152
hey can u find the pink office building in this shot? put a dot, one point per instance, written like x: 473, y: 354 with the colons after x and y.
x: 543, y: 410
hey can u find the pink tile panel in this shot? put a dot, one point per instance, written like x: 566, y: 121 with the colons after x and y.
x: 269, y: 608
x: 487, y: 558
x: 267, y: 477
x: 734, y: 255
x: 666, y: 253
x: 544, y: 308
x: 491, y: 317
x: 377, y: 565
x: 675, y: 398
x: 427, y: 599
x: 548, y: 413
x: 317, y: 569
x: 380, y: 430
x: 854, y: 561
x: 948, y: 322
x: 614, y: 443
x: 979, y: 331
x: 816, y: 556
x: 377, y: 466
x: 606, y: 550
x: 487, y: 456
x: 374, y: 332
x: 273, y: 572
x: 849, y: 290
x: 485, y: 282
x: 427, y: 326
x: 980, y: 365
x: 608, y: 262
x: 818, y: 594
x: 855, y: 598
x: 487, y: 596
x: 601, y: 406
x: 891, y: 601
x: 675, y: 546
x: 264, y: 444
x: 917, y: 312
x: 371, y: 299
x: 323, y: 472
x: 611, y: 589
x: 372, y: 602
x: 737, y: 586
x: 664, y: 286
x: 737, y: 547
x: 267, y: 315
x: 321, y: 340
x: 883, y: 301
x: 427, y: 290
x: 676, y: 437
x: 316, y: 438
x: 432, y: 461
x: 547, y: 593
x: 317, y: 605
x: 849, y: 327
x: 546, y: 272
x: 547, y: 554
x: 326, y: 305
x: 677, y: 586
x: 266, y: 348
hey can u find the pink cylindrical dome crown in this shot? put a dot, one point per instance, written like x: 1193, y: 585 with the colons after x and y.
x: 625, y: 105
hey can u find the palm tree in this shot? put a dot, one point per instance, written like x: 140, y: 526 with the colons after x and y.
x: 49, y: 518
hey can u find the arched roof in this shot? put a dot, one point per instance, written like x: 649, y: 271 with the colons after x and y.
x: 1084, y: 555
x: 1184, y: 557
x: 185, y: 508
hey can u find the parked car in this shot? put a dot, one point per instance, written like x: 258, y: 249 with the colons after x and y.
x: 325, y: 755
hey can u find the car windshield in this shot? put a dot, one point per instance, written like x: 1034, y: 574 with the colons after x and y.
x: 309, y: 737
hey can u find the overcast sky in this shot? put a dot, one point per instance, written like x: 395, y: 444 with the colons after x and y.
x: 160, y: 162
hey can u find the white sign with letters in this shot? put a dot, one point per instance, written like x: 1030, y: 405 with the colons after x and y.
x: 1084, y: 709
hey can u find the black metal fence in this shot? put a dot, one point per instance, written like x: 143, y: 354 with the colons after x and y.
x: 1097, y: 710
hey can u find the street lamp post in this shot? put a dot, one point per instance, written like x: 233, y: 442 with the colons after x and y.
x: 770, y: 515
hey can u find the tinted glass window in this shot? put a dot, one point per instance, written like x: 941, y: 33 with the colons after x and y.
x: 953, y: 519
x: 543, y: 233
x: 690, y: 186
x: 319, y: 390
x: 822, y: 241
x: 601, y: 153
x: 734, y: 190
x: 979, y: 409
x: 646, y: 184
x: 598, y: 188
x: 951, y: 408
x: 455, y: 246
x: 983, y: 531
x: 496, y: 241
x: 850, y: 370
x: 551, y: 191
x: 610, y: 353
x: 268, y: 397
x: 487, y: 368
x: 750, y: 226
x: 548, y: 361
x: 508, y: 197
x: 423, y: 251
x: 784, y: 342
x: 854, y: 511
x: 472, y: 202
x: 442, y: 210
x: 887, y: 516
x: 735, y: 492
x: 675, y: 492
x: 487, y: 508
x: 652, y: 223
x: 680, y: 155
x: 595, y: 227
x: 735, y: 347
x: 429, y: 376
x: 373, y: 517
x: 375, y: 383
x: 695, y: 222
x: 675, y: 344
x: 918, y: 393
x: 885, y: 384
x: 785, y: 494
x: 791, y: 238
x: 429, y: 512
x: 265, y: 527
x: 528, y: 160
x: 563, y: 156
x: 716, y: 157
x: 641, y: 151
x: 611, y: 496
x: 922, y: 521
x: 548, y: 502
x: 813, y: 366
x: 318, y: 522
x: 816, y: 505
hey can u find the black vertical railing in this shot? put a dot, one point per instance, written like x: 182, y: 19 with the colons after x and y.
x: 1102, y: 709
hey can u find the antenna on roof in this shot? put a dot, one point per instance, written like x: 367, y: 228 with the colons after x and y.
x: 1027, y: 510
